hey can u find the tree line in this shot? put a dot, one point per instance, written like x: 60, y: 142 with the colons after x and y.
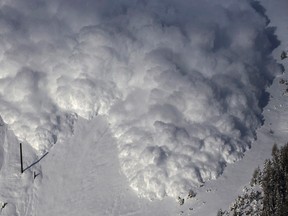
x: 274, y: 182
x: 267, y: 194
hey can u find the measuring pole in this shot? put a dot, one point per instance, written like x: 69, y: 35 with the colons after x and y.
x: 21, y: 159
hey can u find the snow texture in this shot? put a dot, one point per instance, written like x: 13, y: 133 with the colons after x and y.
x: 180, y: 83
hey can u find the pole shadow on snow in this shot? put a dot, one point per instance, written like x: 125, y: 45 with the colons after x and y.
x: 34, y: 163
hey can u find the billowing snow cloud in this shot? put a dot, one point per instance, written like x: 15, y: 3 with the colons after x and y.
x: 180, y: 82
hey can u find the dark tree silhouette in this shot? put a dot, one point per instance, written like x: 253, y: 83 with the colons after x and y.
x: 274, y: 183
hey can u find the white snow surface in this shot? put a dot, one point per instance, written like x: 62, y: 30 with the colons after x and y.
x: 152, y: 90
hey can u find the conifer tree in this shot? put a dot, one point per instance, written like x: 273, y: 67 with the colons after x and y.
x: 275, y: 182
x: 273, y: 179
x: 256, y: 178
x: 267, y: 185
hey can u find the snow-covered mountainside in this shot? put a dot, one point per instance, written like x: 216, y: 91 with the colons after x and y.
x: 118, y: 103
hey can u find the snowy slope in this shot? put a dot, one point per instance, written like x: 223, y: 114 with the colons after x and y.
x: 82, y: 174
x: 82, y: 177
x: 17, y: 190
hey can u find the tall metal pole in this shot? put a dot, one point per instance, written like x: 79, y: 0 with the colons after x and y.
x: 21, y: 159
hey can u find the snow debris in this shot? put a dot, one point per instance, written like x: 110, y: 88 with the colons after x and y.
x: 181, y: 201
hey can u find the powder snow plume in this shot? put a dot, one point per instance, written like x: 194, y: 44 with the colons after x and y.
x: 180, y: 82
